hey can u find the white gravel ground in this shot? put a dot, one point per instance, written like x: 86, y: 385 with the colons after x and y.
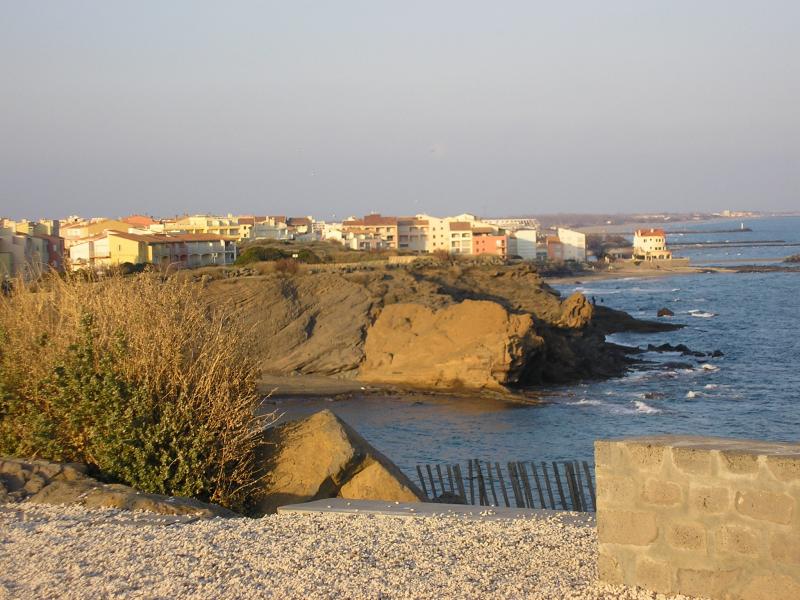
x: 71, y: 552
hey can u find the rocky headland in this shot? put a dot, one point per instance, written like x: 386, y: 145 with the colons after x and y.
x: 431, y: 326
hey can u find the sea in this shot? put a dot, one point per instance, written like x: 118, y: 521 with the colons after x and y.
x: 751, y: 391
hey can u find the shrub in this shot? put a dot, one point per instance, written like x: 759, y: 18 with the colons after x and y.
x: 137, y: 377
x: 287, y: 266
x: 259, y: 254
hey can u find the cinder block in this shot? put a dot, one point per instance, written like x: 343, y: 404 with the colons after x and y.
x: 709, y: 499
x: 739, y: 462
x: 706, y: 583
x: 695, y: 461
x: 741, y: 540
x: 686, y: 536
x: 645, y: 456
x: 619, y: 491
x: 654, y: 575
x: 609, y: 570
x: 772, y: 586
x: 635, y: 528
x: 785, y: 548
x: 765, y: 506
x: 784, y: 467
x: 660, y: 492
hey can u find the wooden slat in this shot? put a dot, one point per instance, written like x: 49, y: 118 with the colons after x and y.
x: 581, y: 493
x: 471, y: 482
x: 560, y: 488
x: 549, y: 488
x: 512, y: 474
x: 433, y: 485
x: 460, y: 482
x: 526, y: 484
x: 441, y: 479
x: 538, y: 485
x: 491, y: 482
x: 572, y: 485
x: 482, y: 496
x: 590, y: 485
x: 422, y: 481
x: 450, y: 480
x: 502, y: 483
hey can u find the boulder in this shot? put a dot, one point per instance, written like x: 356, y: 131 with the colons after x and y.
x: 576, y: 312
x: 42, y: 482
x: 665, y: 312
x: 323, y: 457
x: 475, y: 344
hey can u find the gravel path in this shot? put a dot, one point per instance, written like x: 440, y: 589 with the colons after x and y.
x: 71, y: 552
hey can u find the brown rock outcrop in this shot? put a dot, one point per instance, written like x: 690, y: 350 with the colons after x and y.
x: 42, y: 482
x: 323, y: 457
x: 576, y: 312
x: 474, y: 344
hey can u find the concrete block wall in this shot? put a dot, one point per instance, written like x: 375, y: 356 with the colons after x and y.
x: 701, y: 516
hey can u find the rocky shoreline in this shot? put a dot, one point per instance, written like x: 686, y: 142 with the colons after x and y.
x: 494, y: 329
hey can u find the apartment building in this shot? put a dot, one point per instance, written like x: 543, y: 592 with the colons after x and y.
x: 574, y: 244
x: 525, y: 244
x: 375, y: 224
x: 33, y: 244
x: 113, y: 248
x: 74, y: 232
x: 488, y: 243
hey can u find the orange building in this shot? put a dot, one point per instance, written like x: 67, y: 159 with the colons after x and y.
x: 490, y: 244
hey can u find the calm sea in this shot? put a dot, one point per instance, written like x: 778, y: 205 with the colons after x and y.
x: 752, y: 391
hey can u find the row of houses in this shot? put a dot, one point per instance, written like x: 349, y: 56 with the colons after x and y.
x: 461, y: 234
x: 201, y: 240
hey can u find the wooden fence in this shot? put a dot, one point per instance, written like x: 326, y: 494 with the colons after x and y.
x: 559, y: 485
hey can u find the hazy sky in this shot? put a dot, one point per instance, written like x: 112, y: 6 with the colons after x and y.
x: 344, y: 107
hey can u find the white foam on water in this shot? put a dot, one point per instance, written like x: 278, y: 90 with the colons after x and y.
x: 711, y: 386
x: 587, y: 402
x: 644, y: 408
x: 710, y: 367
x: 701, y: 314
x: 692, y: 394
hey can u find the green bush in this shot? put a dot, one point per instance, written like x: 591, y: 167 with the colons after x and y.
x: 137, y: 378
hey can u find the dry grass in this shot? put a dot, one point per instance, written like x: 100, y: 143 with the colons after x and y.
x: 177, y: 350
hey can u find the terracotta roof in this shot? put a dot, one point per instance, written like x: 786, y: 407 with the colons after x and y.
x: 169, y: 238
x: 650, y: 232
x: 371, y: 220
x: 139, y: 220
x: 460, y: 226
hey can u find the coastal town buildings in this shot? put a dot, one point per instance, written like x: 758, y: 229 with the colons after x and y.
x: 496, y: 245
x: 650, y: 244
x: 31, y: 246
x: 525, y: 244
x: 80, y: 230
x: 113, y: 248
x: 373, y: 224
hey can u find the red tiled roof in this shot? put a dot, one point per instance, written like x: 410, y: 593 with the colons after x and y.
x: 169, y: 238
x: 650, y: 232
x: 460, y: 226
x: 139, y: 220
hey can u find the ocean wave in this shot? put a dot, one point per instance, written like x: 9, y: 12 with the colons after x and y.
x: 693, y: 394
x: 710, y: 367
x: 701, y: 314
x: 644, y: 408
x: 711, y: 386
x: 587, y: 402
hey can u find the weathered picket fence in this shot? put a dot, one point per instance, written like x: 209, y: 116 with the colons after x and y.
x: 558, y: 485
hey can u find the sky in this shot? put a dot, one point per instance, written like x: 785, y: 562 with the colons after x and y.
x: 340, y: 108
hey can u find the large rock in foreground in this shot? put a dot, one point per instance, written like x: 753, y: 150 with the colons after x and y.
x: 475, y: 344
x: 42, y: 482
x: 323, y: 457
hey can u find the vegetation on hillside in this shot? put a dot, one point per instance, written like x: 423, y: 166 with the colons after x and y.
x: 136, y: 377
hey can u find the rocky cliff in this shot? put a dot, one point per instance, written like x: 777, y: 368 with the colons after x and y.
x: 438, y: 326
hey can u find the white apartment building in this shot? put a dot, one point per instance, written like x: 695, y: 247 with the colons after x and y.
x: 526, y: 243
x: 574, y: 244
